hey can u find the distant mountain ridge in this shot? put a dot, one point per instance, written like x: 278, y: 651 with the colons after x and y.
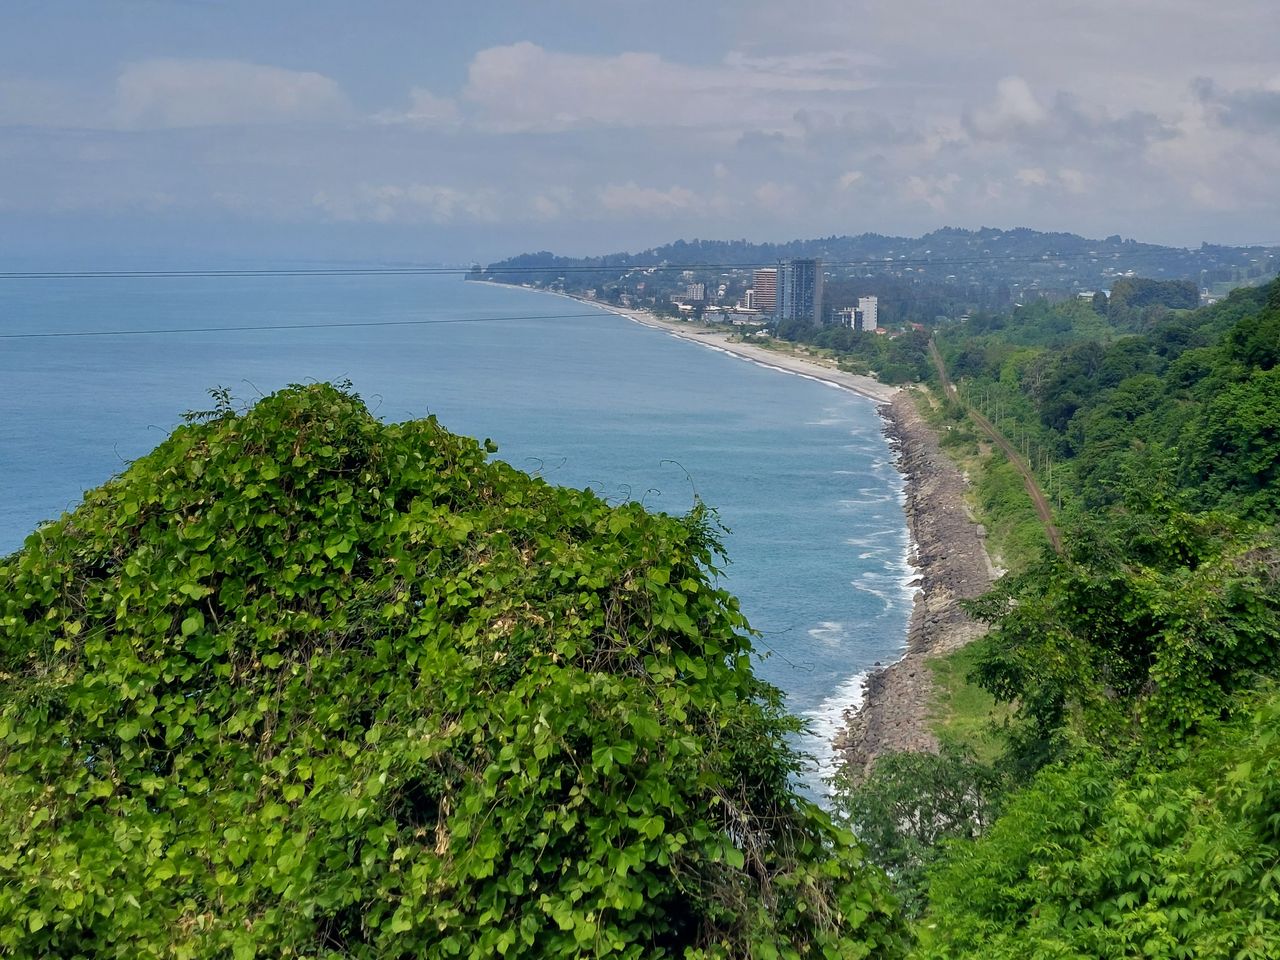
x: 1020, y: 256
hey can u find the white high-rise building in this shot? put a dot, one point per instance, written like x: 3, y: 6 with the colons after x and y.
x: 868, y: 308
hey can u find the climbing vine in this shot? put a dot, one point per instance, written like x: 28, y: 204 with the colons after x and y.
x: 300, y: 683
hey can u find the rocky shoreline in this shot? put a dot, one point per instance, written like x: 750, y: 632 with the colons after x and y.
x: 949, y: 551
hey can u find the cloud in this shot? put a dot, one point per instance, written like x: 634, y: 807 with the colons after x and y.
x: 1032, y: 176
x: 1252, y: 109
x: 1073, y: 181
x: 425, y: 110
x: 525, y: 87
x: 552, y: 203
x: 408, y: 203
x: 634, y: 200
x: 933, y: 191
x: 1014, y: 108
x: 1064, y: 178
x: 168, y: 94
x: 778, y: 198
x: 755, y: 119
x: 849, y: 178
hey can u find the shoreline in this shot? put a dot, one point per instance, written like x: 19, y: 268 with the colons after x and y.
x: 812, y: 367
x: 947, y: 549
x: 949, y: 552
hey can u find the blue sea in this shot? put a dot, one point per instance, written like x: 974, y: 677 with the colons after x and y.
x: 798, y: 470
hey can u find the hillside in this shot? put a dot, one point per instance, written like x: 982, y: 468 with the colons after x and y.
x: 1133, y: 810
x: 946, y: 272
x: 301, y: 683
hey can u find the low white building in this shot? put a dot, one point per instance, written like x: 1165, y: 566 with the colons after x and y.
x: 863, y: 316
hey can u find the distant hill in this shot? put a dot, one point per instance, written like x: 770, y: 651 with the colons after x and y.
x: 986, y: 268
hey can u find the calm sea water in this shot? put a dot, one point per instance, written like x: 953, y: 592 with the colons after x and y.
x: 798, y: 470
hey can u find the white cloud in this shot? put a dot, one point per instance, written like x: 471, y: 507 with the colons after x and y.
x: 1073, y: 180
x: 849, y: 178
x: 199, y: 93
x: 1217, y: 155
x: 552, y: 203
x: 632, y: 199
x: 1032, y: 176
x: 524, y: 87
x: 933, y: 191
x: 777, y: 198
x: 1015, y: 107
x: 425, y: 110
x: 408, y: 203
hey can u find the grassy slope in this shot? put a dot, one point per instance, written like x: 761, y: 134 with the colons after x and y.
x: 962, y: 711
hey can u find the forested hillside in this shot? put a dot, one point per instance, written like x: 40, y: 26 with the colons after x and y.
x: 1191, y: 400
x: 1138, y: 797
x: 970, y: 259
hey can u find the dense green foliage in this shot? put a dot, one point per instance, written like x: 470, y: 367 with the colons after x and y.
x: 1139, y: 668
x: 1191, y: 404
x: 301, y: 683
x: 1179, y: 859
x: 1135, y: 300
x: 1137, y: 637
x: 912, y: 802
x: 893, y: 359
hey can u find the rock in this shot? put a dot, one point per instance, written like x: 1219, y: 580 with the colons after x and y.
x: 950, y: 553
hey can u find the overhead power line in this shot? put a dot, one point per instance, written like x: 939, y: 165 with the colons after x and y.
x: 143, y: 331
x: 603, y: 267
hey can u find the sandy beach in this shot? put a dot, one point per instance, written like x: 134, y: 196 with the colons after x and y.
x: 948, y: 549
x: 815, y: 368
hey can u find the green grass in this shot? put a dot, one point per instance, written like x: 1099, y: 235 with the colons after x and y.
x: 997, y: 496
x: 961, y: 711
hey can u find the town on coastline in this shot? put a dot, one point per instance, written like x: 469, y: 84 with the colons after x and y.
x: 826, y: 320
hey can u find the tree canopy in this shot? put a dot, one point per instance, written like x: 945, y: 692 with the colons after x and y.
x: 302, y: 683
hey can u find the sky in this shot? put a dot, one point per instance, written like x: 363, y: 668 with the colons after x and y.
x: 425, y: 131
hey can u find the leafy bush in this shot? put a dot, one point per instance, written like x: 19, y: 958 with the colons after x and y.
x: 300, y: 683
x: 1179, y: 861
x: 910, y: 804
x: 1145, y: 631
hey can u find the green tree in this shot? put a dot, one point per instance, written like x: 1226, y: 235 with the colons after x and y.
x: 1177, y: 860
x: 301, y: 683
x: 1140, y: 635
x: 1233, y: 448
x: 911, y: 803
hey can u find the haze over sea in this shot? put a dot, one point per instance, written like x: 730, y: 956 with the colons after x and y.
x: 798, y: 470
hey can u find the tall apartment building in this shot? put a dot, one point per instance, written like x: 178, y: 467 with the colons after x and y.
x: 800, y: 290
x: 868, y: 309
x: 764, y: 285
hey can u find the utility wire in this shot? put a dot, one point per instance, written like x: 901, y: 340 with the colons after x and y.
x: 1047, y: 259
x: 602, y: 309
x: 142, y: 331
